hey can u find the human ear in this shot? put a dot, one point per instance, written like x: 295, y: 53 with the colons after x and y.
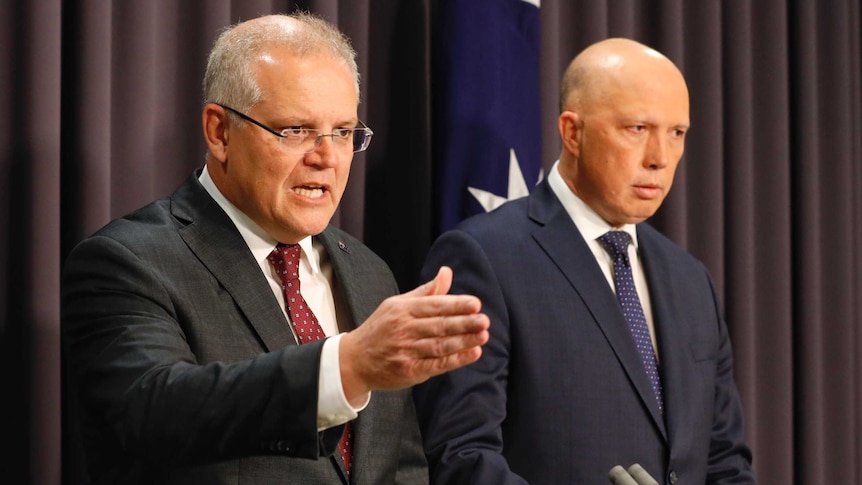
x: 214, y: 121
x: 570, y: 126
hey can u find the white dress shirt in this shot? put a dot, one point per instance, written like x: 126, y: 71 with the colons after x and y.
x: 592, y: 226
x: 315, y: 275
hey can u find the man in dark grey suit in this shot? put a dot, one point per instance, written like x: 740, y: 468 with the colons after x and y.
x: 607, y: 342
x: 183, y: 319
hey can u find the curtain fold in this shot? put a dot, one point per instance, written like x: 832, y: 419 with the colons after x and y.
x: 30, y: 163
x: 100, y: 114
x: 826, y: 158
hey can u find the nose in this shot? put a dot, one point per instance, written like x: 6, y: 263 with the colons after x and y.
x: 657, y: 152
x: 324, y: 153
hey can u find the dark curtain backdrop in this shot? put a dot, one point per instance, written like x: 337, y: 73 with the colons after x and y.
x: 99, y: 114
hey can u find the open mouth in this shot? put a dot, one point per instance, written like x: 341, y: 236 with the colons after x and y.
x: 310, y: 191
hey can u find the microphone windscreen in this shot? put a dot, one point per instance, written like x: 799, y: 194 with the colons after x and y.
x: 641, y: 476
x: 619, y: 476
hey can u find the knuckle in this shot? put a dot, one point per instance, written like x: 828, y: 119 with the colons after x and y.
x: 442, y: 328
x: 440, y: 347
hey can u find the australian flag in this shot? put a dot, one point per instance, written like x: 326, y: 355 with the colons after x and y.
x: 486, y: 110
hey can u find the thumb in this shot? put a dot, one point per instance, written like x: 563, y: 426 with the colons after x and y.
x: 440, y: 285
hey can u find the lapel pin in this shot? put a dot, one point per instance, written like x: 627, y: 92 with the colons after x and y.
x: 343, y: 247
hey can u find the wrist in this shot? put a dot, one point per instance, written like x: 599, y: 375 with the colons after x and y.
x: 355, y: 388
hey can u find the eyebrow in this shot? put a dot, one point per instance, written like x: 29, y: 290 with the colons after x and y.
x: 650, y: 120
x: 306, y: 123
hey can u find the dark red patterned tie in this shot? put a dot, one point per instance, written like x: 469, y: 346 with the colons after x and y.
x: 285, y: 259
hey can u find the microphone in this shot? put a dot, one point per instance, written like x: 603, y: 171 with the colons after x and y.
x: 641, y: 476
x: 619, y: 476
x: 636, y: 475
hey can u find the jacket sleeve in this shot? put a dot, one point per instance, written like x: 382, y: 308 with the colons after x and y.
x: 729, y: 456
x: 461, y: 412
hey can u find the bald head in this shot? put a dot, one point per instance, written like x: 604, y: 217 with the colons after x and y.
x: 592, y: 76
x: 623, y: 120
x: 230, y: 74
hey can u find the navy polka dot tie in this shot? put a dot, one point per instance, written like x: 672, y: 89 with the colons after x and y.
x: 616, y: 243
x: 285, y: 259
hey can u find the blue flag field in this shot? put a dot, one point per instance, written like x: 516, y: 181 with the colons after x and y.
x: 486, y: 118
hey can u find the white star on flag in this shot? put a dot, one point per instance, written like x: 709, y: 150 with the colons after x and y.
x: 517, y: 187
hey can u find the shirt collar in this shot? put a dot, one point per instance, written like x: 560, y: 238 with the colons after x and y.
x: 589, y: 223
x: 256, y: 238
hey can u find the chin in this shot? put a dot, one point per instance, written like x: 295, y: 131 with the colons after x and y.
x: 632, y: 218
x: 298, y: 228
x: 319, y: 226
x: 315, y: 229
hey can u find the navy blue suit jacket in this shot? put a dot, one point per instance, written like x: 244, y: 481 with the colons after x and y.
x: 560, y: 394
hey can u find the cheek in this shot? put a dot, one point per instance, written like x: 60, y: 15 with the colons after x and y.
x: 620, y: 170
x: 617, y: 187
x: 279, y: 170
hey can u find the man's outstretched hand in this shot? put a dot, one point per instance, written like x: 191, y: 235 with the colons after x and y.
x: 412, y: 337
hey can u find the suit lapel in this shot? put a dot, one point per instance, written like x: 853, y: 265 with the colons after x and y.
x: 668, y: 309
x: 356, y: 274
x: 564, y: 245
x: 361, y: 291
x: 211, y: 235
x: 342, y: 259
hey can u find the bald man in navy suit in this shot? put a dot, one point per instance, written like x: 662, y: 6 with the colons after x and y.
x: 561, y: 393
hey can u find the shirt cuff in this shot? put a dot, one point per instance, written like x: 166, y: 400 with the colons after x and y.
x: 333, y: 408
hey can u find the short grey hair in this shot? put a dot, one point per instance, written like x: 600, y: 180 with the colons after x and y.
x: 229, y: 79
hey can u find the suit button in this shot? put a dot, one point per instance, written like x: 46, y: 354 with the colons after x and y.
x: 672, y: 477
x: 283, y: 445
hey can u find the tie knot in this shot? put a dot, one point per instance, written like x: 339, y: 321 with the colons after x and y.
x: 285, y: 259
x: 616, y: 243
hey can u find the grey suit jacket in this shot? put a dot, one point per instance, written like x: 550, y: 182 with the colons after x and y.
x: 560, y: 394
x: 185, y: 367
